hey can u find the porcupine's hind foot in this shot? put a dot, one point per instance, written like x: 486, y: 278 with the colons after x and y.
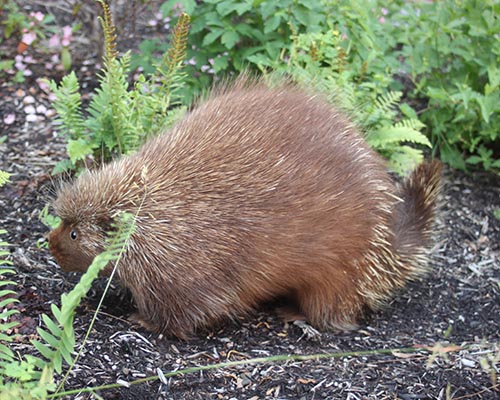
x: 329, y: 310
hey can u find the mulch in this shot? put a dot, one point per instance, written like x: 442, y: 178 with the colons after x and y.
x: 456, y: 304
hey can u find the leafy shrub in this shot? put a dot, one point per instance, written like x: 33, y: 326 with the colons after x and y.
x: 120, y: 119
x: 451, y: 50
x: 232, y: 35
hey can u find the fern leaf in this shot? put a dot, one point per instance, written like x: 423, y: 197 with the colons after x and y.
x: 4, y: 177
x: 388, y: 101
x: 43, y: 349
x: 173, y: 60
x: 394, y: 134
x: 68, y: 106
x: 50, y: 339
x: 56, y: 311
x: 404, y: 159
x: 51, y: 325
x: 411, y: 123
x: 5, y: 352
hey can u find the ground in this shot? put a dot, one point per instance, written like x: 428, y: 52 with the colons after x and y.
x: 456, y: 304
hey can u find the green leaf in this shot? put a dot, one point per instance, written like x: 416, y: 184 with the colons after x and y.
x: 50, y: 339
x: 56, y: 311
x: 4, y: 302
x: 221, y: 63
x: 43, y: 349
x: 78, y: 149
x: 229, y: 39
x: 487, y: 104
x: 212, y: 36
x: 272, y: 24
x: 474, y: 160
x: 66, y: 58
x: 188, y: 6
x: 62, y: 166
x: 54, y: 329
x: 396, y: 135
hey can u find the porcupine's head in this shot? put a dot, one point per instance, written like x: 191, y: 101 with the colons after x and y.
x: 86, y: 207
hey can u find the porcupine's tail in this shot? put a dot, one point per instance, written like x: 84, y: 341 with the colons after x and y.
x: 414, y: 217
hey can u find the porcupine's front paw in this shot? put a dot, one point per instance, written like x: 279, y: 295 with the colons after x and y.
x: 294, y: 316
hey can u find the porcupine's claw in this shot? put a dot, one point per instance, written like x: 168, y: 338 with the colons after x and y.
x: 308, y: 332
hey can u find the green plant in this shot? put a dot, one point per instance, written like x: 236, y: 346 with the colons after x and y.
x: 32, y: 377
x: 12, y: 19
x: 328, y: 62
x: 48, y: 219
x: 233, y: 35
x: 451, y: 50
x: 119, y: 118
x: 24, y: 378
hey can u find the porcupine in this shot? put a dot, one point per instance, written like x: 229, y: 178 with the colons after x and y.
x: 257, y: 194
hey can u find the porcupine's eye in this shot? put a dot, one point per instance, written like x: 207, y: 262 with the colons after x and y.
x: 73, y: 235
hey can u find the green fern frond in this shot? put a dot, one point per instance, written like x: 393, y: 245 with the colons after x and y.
x: 388, y: 101
x: 381, y: 109
x: 68, y: 106
x: 172, y: 61
x: 110, y: 108
x: 177, y: 52
x: 19, y: 378
x: 396, y: 134
x: 58, y: 335
x: 411, y: 123
x: 404, y: 159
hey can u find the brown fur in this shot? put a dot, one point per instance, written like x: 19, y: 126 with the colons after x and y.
x: 256, y: 194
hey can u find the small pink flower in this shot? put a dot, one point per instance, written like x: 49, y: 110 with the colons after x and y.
x: 67, y: 33
x: 384, y: 11
x: 20, y: 66
x: 28, y: 37
x: 381, y: 20
x: 29, y: 59
x: 37, y: 15
x: 54, y: 41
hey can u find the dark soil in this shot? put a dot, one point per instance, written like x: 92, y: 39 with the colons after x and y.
x: 457, y: 303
